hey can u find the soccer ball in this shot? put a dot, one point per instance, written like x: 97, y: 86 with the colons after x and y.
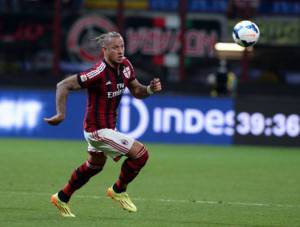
x: 245, y: 33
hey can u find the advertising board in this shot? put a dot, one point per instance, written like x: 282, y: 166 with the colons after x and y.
x: 160, y: 118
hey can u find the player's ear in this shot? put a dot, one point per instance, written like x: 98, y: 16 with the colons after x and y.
x: 104, y: 49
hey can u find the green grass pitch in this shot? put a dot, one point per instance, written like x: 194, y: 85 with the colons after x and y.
x: 180, y: 186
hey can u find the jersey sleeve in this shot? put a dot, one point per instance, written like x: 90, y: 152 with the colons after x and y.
x: 91, y: 76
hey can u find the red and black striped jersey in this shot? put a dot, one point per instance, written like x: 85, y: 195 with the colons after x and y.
x: 105, y: 86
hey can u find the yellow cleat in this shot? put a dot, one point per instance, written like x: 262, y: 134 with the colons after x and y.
x: 63, y: 207
x: 123, y: 199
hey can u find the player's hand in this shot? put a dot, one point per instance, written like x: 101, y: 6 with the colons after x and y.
x: 55, y: 120
x: 155, y: 85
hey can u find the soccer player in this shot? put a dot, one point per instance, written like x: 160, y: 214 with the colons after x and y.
x: 105, y: 84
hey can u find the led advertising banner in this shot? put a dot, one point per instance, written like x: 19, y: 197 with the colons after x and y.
x: 161, y: 119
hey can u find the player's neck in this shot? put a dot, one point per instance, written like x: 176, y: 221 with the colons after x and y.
x: 111, y: 64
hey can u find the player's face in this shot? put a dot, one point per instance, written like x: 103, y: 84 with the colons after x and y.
x: 114, y: 52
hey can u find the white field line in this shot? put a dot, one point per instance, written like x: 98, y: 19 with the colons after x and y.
x: 5, y: 193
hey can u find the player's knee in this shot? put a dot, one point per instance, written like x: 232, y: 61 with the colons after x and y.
x: 143, y: 158
x: 97, y: 159
x: 146, y: 154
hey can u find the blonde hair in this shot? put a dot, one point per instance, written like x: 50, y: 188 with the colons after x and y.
x: 105, y: 38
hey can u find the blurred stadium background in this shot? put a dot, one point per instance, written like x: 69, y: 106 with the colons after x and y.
x: 212, y: 96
